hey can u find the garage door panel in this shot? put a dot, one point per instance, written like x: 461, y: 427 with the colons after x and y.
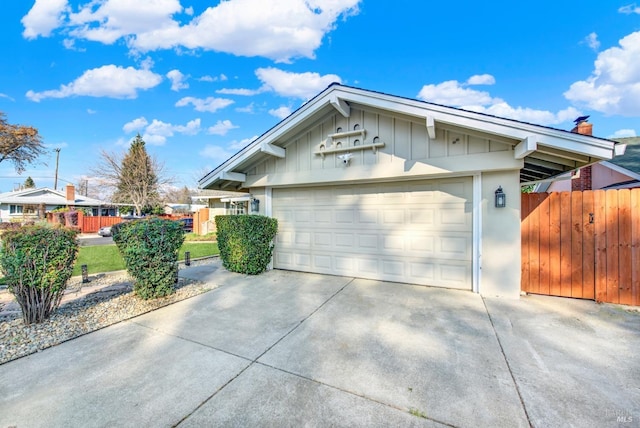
x: 415, y: 232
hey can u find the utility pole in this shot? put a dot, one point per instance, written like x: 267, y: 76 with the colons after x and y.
x: 55, y: 183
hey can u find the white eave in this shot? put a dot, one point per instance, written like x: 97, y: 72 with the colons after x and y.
x: 546, y: 144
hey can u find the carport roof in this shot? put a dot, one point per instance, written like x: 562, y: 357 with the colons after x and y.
x: 546, y: 151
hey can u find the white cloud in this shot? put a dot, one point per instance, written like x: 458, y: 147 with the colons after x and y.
x: 280, y: 112
x: 280, y: 31
x: 456, y: 94
x: 241, y: 144
x: 629, y: 9
x: 157, y: 132
x: 286, y: 84
x: 208, y: 78
x: 115, y: 19
x: 217, y: 153
x: 221, y: 127
x: 43, y: 18
x: 177, y: 80
x: 247, y: 109
x: 481, y: 79
x: 240, y: 91
x: 623, y: 133
x: 7, y: 97
x: 135, y: 125
x: 592, y: 41
x: 209, y: 104
x: 106, y: 81
x: 91, y: 111
x: 614, y: 84
x: 298, y: 85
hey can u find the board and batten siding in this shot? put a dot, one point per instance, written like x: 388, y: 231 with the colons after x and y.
x: 408, y: 151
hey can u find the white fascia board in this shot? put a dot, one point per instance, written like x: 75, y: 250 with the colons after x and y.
x: 272, y: 150
x: 526, y: 147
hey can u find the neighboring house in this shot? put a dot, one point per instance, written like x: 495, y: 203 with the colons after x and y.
x: 371, y: 185
x: 219, y: 202
x: 182, y: 208
x: 621, y: 172
x: 30, y: 204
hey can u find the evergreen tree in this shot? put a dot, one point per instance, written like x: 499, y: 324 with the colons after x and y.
x: 138, y: 183
x: 29, y: 183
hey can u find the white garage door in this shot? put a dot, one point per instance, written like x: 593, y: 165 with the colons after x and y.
x: 413, y: 232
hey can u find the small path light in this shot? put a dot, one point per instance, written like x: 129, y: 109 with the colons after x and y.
x: 187, y: 258
x: 85, y: 274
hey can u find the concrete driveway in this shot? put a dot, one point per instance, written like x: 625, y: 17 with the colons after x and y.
x: 294, y: 349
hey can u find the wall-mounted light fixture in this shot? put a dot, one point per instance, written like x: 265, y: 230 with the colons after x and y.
x: 255, y: 205
x: 501, y: 198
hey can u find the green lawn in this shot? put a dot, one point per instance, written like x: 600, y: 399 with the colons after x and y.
x: 106, y: 258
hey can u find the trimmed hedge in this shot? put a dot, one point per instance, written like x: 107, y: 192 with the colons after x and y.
x: 246, y: 242
x: 37, y: 262
x: 149, y: 248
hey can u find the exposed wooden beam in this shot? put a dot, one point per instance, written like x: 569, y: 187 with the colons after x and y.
x: 526, y: 147
x: 272, y: 150
x: 431, y: 127
x: 341, y: 105
x: 233, y: 176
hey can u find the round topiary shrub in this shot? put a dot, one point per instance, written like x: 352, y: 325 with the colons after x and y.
x: 246, y: 242
x: 37, y: 262
x: 149, y: 248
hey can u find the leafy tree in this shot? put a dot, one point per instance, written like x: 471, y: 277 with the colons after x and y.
x: 178, y: 196
x: 19, y: 144
x: 29, y: 183
x: 135, y: 177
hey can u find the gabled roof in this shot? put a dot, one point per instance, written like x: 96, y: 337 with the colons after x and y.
x: 546, y: 151
x: 46, y: 196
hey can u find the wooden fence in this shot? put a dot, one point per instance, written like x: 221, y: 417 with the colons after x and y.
x: 582, y: 244
x: 91, y: 224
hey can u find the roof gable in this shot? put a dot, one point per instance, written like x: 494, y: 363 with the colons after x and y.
x: 46, y: 196
x: 545, y: 151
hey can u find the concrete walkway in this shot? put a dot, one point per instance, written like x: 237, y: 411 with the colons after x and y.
x: 292, y: 349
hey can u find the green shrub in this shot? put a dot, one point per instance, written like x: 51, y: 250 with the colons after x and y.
x: 37, y: 262
x: 246, y: 242
x: 149, y: 248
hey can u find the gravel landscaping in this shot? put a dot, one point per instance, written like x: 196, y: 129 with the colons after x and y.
x: 106, y: 300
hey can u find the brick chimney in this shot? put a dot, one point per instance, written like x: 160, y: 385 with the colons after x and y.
x: 71, y: 194
x: 582, y: 180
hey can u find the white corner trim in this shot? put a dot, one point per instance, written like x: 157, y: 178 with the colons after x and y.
x: 431, y: 127
x: 526, y: 147
x: 476, y: 246
x: 272, y: 150
x: 340, y: 105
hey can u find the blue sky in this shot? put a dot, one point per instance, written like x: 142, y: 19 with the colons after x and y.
x: 200, y: 79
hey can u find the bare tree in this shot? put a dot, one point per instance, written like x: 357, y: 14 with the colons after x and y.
x: 134, y: 177
x: 19, y: 144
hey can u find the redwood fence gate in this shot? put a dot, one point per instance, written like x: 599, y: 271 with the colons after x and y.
x: 582, y: 244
